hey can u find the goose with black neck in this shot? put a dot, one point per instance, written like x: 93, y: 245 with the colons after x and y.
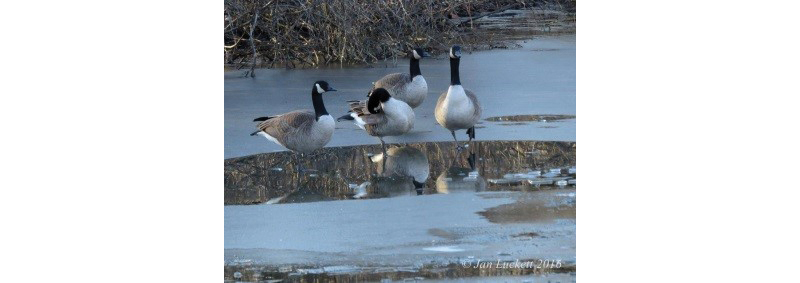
x: 410, y: 88
x: 381, y: 115
x: 457, y: 108
x: 300, y: 131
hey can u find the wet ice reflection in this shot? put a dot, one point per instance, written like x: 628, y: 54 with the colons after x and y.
x: 457, y: 179
x: 356, y: 172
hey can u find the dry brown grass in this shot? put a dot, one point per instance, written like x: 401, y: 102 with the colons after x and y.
x: 309, y: 33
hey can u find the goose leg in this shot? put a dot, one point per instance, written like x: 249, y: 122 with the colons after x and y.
x: 459, y: 148
x: 453, y: 163
x: 385, y: 156
x: 301, y: 169
x: 471, y: 135
x: 471, y: 160
x: 302, y: 157
x: 296, y: 171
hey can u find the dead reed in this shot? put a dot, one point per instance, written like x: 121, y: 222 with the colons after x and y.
x: 308, y: 33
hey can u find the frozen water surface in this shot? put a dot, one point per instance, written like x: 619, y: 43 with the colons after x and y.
x: 522, y: 81
x: 344, y: 217
x: 401, y: 231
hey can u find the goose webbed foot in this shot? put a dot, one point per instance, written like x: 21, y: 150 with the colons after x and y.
x: 459, y: 148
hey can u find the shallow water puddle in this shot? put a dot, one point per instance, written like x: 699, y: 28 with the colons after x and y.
x: 429, y: 236
x: 442, y: 234
x: 356, y: 172
x: 529, y: 118
x: 444, y: 249
x: 543, y: 207
x: 513, y: 124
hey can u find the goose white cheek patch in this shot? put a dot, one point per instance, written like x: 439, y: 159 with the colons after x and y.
x: 319, y: 89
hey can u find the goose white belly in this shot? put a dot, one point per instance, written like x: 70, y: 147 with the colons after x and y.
x: 415, y: 169
x: 399, y: 118
x: 318, y: 136
x: 307, y: 140
x: 271, y: 138
x: 419, y: 171
x: 404, y: 161
x: 456, y: 111
x: 416, y: 91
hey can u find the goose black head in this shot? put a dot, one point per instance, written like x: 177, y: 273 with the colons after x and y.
x: 376, y: 97
x: 419, y: 53
x: 322, y: 86
x: 455, y: 52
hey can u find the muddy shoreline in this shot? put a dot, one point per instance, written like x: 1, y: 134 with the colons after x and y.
x: 532, y: 268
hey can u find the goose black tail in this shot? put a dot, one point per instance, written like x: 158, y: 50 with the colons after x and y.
x: 471, y: 132
x: 259, y: 119
x: 345, y: 117
x: 254, y: 133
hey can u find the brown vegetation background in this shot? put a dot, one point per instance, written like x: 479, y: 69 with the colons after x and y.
x: 291, y: 33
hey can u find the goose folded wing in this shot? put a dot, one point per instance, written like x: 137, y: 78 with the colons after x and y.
x: 475, y: 103
x: 392, y: 80
x: 288, y: 123
x: 361, y: 109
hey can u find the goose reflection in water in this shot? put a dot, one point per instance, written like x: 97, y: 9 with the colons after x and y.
x: 299, y: 196
x: 405, y: 172
x: 459, y: 179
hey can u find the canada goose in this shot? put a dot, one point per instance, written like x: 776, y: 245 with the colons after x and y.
x: 381, y: 115
x: 457, y: 108
x: 394, y: 186
x: 457, y: 179
x: 301, y: 131
x: 410, y: 88
x: 461, y: 179
x: 404, y: 162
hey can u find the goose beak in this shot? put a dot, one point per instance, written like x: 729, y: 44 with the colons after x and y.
x: 331, y: 89
x: 426, y: 54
